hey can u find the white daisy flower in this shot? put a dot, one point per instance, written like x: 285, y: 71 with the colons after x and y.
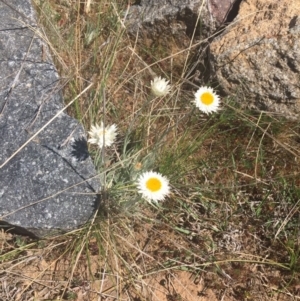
x: 206, y: 100
x: 100, y: 135
x: 160, y: 86
x: 153, y: 186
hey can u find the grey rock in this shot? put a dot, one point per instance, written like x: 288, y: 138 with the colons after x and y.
x: 156, y: 18
x: 257, y: 58
x: 50, y: 185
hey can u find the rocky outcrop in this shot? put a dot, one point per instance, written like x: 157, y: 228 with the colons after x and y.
x: 257, y: 58
x: 47, y: 185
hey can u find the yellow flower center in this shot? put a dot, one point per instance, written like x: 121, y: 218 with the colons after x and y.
x: 101, y: 132
x: 207, y: 98
x: 153, y: 184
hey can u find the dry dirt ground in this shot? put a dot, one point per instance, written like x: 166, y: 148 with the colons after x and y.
x: 44, y: 272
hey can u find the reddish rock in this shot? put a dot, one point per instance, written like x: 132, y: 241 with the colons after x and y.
x: 257, y: 58
x: 220, y: 9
